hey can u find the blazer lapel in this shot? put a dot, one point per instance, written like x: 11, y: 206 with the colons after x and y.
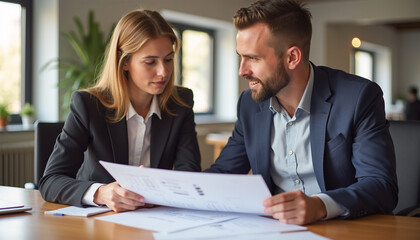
x: 263, y: 120
x: 160, y: 132
x: 320, y: 110
x: 119, y: 141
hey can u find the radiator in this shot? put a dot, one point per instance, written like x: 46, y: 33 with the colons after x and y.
x: 16, y: 163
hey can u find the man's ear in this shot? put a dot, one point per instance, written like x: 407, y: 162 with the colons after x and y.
x: 294, y: 57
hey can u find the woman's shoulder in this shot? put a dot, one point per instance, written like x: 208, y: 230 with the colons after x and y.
x: 86, y: 99
x: 185, y: 94
x: 84, y: 96
x: 183, y: 91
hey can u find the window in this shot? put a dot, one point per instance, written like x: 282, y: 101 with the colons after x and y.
x: 15, y: 55
x: 364, y: 64
x: 195, y: 64
x: 374, y: 62
x: 220, y: 82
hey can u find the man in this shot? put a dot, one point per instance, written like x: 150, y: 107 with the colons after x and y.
x: 412, y: 108
x: 318, y: 136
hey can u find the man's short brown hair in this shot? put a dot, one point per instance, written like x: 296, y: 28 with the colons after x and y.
x: 286, y: 18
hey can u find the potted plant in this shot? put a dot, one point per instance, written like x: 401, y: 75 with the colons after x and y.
x: 4, y: 116
x: 27, y: 113
x: 90, y: 47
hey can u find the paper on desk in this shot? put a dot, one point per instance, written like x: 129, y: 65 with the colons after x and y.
x: 304, y: 235
x: 245, y: 224
x: 194, y: 190
x: 78, y: 211
x: 167, y: 219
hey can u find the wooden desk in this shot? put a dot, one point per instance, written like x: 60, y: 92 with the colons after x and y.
x: 218, y: 140
x: 36, y: 225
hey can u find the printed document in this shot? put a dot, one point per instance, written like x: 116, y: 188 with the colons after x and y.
x: 245, y: 224
x: 301, y: 235
x: 167, y: 219
x: 193, y: 190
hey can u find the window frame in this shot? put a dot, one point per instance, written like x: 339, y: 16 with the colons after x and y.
x: 372, y: 54
x: 26, y: 84
x: 180, y: 27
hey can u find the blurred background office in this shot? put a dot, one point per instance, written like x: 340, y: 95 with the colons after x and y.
x: 377, y: 39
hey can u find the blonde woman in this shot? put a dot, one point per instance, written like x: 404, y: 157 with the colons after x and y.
x: 133, y: 115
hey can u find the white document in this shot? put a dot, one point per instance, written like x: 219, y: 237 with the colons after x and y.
x: 167, y: 219
x: 243, y: 225
x: 305, y: 235
x: 194, y: 190
x: 78, y: 211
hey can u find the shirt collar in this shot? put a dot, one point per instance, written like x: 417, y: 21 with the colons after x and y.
x: 305, y: 101
x: 154, y: 109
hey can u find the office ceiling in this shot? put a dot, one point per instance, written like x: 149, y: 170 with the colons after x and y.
x: 402, y: 26
x: 399, y: 26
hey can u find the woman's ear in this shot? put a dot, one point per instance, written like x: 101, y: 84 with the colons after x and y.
x: 125, y: 66
x: 294, y: 57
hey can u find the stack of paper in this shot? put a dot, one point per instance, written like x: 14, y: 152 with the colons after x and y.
x: 200, y: 205
x: 184, y: 224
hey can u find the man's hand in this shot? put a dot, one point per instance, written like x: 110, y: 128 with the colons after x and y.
x: 295, y: 208
x: 117, y: 198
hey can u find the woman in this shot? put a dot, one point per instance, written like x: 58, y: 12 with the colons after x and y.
x: 133, y: 115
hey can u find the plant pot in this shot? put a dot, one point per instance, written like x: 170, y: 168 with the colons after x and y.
x: 3, y: 122
x: 27, y: 121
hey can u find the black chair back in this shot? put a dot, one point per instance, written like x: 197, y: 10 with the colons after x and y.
x: 45, y: 136
x: 406, y: 138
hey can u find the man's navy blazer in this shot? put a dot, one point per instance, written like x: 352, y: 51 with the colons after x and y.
x: 352, y: 150
x: 88, y: 137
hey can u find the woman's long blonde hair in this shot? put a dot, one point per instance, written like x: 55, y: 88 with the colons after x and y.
x: 130, y: 34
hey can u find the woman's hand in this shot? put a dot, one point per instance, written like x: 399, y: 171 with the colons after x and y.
x: 117, y: 198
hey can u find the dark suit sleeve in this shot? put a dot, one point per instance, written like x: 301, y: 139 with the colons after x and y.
x: 187, y: 153
x: 233, y: 158
x: 59, y: 182
x: 372, y: 156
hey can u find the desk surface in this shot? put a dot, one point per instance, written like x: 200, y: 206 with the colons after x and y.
x: 36, y: 225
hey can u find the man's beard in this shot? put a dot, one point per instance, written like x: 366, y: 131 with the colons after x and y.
x: 272, y: 85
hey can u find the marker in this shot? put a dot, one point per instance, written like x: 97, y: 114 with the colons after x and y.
x: 59, y: 214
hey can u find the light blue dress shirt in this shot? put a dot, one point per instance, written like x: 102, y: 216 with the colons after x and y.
x: 291, y: 156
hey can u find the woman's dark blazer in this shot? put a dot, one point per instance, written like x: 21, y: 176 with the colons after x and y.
x: 88, y: 137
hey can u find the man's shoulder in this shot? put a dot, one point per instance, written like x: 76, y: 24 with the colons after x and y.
x: 339, y: 79
x: 335, y: 74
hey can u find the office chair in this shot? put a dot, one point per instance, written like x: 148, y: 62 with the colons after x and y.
x: 406, y: 138
x: 45, y: 136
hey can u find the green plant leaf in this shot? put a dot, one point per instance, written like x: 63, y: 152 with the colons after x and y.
x: 89, y: 44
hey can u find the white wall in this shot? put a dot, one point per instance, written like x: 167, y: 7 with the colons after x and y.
x: 45, y: 47
x: 409, y: 62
